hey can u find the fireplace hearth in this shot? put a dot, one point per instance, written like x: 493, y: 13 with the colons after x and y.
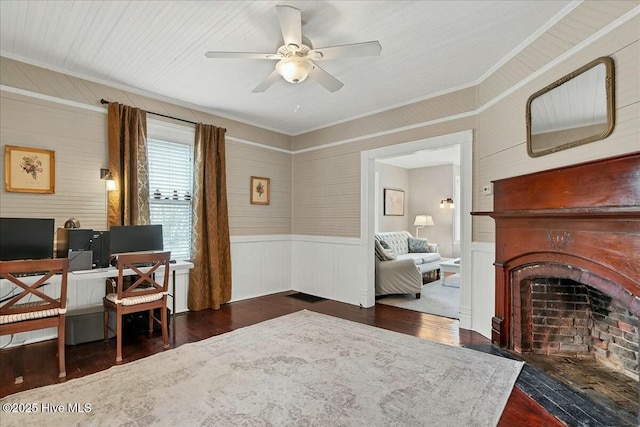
x: 567, y: 266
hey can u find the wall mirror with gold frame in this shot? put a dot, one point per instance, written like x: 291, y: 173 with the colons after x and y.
x: 576, y: 109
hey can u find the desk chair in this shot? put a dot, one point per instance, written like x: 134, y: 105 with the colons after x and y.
x: 144, y: 294
x: 31, y: 309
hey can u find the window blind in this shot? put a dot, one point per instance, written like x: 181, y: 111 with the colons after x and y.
x: 170, y: 190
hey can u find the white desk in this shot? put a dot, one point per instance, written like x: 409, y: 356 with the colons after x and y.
x: 86, y: 288
x: 450, y: 266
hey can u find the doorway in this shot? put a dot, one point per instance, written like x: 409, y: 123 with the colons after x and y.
x: 368, y: 209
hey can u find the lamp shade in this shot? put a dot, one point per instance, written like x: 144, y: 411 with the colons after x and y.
x: 294, y: 69
x: 448, y: 201
x: 423, y: 220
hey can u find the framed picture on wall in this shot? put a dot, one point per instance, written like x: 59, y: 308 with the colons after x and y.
x: 29, y: 170
x: 393, y: 202
x: 260, y: 190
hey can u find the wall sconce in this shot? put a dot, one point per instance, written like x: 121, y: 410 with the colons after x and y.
x: 447, y: 201
x: 422, y: 221
x: 106, y: 175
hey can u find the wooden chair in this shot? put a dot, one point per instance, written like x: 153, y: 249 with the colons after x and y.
x: 31, y: 309
x: 144, y: 294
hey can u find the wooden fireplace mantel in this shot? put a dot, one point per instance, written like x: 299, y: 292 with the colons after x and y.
x: 585, y: 217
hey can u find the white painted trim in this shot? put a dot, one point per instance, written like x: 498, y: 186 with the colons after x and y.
x: 388, y: 132
x: 503, y: 61
x: 57, y: 100
x: 135, y: 90
x: 564, y: 12
x: 103, y: 110
x: 577, y: 48
x: 583, y: 44
x: 257, y: 144
x: 261, y: 238
x: 466, y: 203
x: 367, y: 208
x: 483, y: 290
x: 334, y: 240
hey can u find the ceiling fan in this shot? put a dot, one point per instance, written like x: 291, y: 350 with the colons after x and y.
x: 295, y: 59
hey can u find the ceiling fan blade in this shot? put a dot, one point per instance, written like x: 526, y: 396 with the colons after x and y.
x: 290, y: 24
x: 266, y: 83
x: 325, y: 79
x: 245, y: 55
x: 372, y: 48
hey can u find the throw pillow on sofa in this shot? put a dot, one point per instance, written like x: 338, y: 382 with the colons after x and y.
x: 418, y: 245
x: 382, y: 254
x: 387, y: 247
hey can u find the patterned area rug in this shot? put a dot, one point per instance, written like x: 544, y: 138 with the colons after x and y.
x: 304, y: 368
x: 438, y: 299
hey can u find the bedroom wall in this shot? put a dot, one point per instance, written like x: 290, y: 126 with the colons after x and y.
x: 318, y: 208
x: 397, y: 179
x: 46, y: 109
x: 494, y: 110
x: 501, y: 139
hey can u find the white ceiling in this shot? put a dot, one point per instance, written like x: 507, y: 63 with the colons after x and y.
x: 157, y: 47
x: 426, y: 158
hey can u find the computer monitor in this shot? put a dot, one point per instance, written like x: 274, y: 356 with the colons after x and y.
x: 26, y: 238
x: 135, y: 238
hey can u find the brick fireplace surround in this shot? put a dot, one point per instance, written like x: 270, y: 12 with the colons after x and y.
x: 567, y: 264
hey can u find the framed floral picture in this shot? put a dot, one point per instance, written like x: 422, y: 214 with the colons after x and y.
x: 29, y: 170
x: 260, y: 190
x: 393, y: 202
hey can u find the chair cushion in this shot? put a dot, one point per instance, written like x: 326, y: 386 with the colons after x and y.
x: 135, y: 300
x: 19, y: 317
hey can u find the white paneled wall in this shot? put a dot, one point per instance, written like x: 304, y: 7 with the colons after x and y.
x: 86, y: 290
x: 328, y: 267
x: 260, y: 265
x: 482, y: 286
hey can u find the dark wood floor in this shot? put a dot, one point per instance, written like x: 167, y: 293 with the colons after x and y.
x: 36, y: 363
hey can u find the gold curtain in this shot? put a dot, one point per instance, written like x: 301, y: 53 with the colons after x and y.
x: 129, y: 203
x: 210, y: 279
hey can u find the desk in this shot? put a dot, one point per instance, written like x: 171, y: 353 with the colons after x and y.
x: 86, y: 288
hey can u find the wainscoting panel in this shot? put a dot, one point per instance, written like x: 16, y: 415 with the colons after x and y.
x: 327, y: 267
x: 86, y: 291
x: 260, y: 265
x: 482, y: 286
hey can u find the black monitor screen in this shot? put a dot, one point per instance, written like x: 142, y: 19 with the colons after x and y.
x: 26, y: 238
x: 135, y: 238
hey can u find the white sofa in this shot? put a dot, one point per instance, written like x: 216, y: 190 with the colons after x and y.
x: 403, y: 275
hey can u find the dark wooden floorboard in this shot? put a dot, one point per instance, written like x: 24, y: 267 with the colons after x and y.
x: 36, y: 363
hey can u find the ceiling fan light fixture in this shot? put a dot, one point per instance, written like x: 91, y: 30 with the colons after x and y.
x: 294, y: 69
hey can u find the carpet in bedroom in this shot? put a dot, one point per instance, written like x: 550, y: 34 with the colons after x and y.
x: 303, y: 368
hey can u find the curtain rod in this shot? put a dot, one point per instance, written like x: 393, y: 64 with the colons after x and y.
x: 104, y: 101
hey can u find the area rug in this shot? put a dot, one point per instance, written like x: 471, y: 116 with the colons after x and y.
x: 304, y: 368
x: 434, y: 299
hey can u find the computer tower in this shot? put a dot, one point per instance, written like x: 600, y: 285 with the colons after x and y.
x: 73, y: 239
x: 101, y: 251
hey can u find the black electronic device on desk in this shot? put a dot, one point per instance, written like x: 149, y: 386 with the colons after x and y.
x: 101, y: 249
x: 134, y: 238
x: 26, y: 238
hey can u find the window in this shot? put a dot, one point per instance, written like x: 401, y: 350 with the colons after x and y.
x: 170, y: 192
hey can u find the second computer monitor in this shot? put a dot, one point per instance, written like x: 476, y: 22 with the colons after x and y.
x: 135, y: 238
